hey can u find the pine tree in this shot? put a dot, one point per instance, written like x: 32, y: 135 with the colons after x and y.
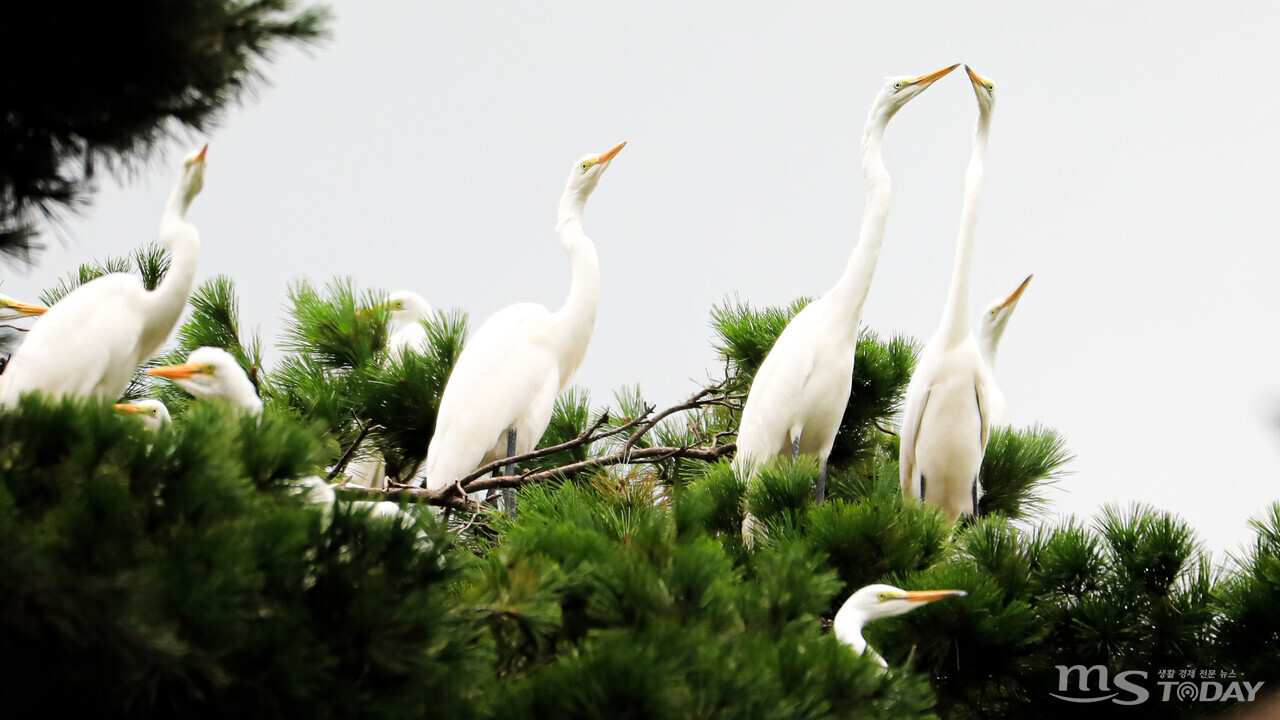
x: 113, y: 82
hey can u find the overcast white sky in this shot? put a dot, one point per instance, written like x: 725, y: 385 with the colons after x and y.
x: 1132, y: 168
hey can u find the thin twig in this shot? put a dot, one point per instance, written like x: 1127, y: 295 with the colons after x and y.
x: 883, y: 429
x: 346, y: 456
x: 585, y: 437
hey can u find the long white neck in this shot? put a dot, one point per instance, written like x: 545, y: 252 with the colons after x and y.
x: 850, y: 294
x: 988, y: 344
x: 164, y: 305
x: 955, y: 317
x: 576, y: 319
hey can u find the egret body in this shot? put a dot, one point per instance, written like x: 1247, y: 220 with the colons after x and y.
x: 945, y: 423
x: 214, y: 374
x: 500, y: 395
x: 800, y: 392
x: 91, y: 341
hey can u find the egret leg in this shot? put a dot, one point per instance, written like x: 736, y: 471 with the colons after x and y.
x: 821, y: 492
x: 795, y: 449
x: 921, y: 488
x: 509, y: 494
x: 974, y: 494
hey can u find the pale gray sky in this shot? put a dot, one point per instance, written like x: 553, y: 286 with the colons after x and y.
x: 1132, y: 167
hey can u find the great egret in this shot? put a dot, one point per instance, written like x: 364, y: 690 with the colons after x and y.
x: 799, y: 394
x: 499, y: 397
x: 11, y: 309
x: 91, y: 341
x: 991, y: 328
x: 879, y: 601
x: 153, y: 413
x: 945, y: 423
x: 409, y: 310
x: 211, y: 373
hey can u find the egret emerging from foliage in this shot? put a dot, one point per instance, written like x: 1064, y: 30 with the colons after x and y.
x: 500, y: 395
x: 11, y: 309
x: 945, y: 424
x: 879, y: 601
x: 409, y: 310
x: 212, y: 373
x: 91, y: 341
x: 799, y: 394
x: 991, y: 328
x: 153, y: 413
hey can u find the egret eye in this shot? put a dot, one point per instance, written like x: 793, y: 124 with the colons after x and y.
x: 882, y: 597
x: 585, y: 166
x: 991, y: 87
x: 899, y: 85
x: 994, y: 311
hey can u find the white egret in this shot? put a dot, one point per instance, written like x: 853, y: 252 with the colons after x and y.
x: 153, y: 413
x: 409, y: 310
x: 90, y: 342
x: 11, y: 309
x: 991, y: 327
x: 500, y: 395
x: 212, y: 373
x: 799, y: 394
x: 879, y: 601
x: 945, y: 423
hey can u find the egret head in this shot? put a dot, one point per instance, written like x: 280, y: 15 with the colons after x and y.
x: 153, y: 413
x: 212, y: 373
x: 880, y: 601
x: 407, y: 307
x: 192, y: 176
x: 984, y: 89
x: 583, y: 179
x: 11, y: 309
x: 898, y: 91
x: 994, y: 319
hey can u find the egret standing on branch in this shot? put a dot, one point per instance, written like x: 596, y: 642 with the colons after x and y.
x: 91, y: 341
x: 800, y: 392
x: 500, y: 395
x: 991, y: 328
x: 879, y: 601
x: 946, y: 423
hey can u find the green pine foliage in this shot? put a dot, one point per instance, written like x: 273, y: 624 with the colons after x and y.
x: 149, y: 262
x: 1248, y: 630
x: 1020, y: 464
x: 175, y: 573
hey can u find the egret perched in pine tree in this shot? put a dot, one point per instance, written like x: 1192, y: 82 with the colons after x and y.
x: 408, y: 309
x: 214, y: 374
x: 800, y: 392
x: 91, y: 341
x: 879, y: 601
x: 946, y: 423
x: 153, y: 413
x: 991, y: 327
x: 500, y: 395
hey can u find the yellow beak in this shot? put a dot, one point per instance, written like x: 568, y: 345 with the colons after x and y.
x: 928, y: 596
x: 933, y: 76
x: 126, y: 408
x: 184, y: 370
x: 28, y: 310
x: 609, y: 155
x: 975, y: 78
x: 203, y: 150
x: 1013, y: 296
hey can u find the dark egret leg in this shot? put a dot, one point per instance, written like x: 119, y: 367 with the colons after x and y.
x: 974, y: 495
x: 821, y: 492
x: 921, y: 488
x: 795, y: 449
x: 509, y: 494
